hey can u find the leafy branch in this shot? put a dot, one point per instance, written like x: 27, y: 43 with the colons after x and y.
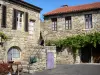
x: 3, y: 36
x: 76, y: 42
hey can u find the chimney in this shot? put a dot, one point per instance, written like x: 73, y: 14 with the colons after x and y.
x: 64, y: 6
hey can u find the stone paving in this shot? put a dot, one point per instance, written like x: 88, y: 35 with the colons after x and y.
x: 76, y: 69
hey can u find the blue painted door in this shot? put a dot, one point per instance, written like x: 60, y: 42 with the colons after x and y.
x: 50, y: 60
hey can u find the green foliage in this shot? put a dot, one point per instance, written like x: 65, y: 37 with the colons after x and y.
x: 77, y: 42
x: 50, y: 42
x: 3, y: 36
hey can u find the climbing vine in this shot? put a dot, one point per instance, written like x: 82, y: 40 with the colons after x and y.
x: 76, y: 42
x: 3, y: 36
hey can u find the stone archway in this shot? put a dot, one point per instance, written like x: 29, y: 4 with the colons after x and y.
x: 14, y: 54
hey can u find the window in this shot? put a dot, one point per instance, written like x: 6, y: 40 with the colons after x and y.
x: 13, y: 54
x: 68, y: 24
x: 31, y: 26
x: 18, y: 19
x: 54, y: 24
x: 88, y: 21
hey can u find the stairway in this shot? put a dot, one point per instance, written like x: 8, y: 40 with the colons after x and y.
x: 32, y: 68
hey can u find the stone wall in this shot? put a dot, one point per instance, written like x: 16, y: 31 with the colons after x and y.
x: 78, y: 27
x: 28, y: 43
x: 40, y: 52
x: 65, y: 57
x: 19, y: 38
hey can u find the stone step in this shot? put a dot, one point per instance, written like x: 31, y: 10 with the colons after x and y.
x: 24, y: 62
x: 28, y: 70
x: 32, y: 68
x: 25, y: 70
x: 28, y: 67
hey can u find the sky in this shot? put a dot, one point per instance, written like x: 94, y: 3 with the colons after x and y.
x: 49, y: 5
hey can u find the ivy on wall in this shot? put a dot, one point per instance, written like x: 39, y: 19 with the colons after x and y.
x: 76, y: 42
x: 3, y: 36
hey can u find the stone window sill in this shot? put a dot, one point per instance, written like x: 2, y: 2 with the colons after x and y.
x: 87, y: 29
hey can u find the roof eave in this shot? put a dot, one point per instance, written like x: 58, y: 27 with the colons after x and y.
x: 27, y: 5
x: 70, y: 12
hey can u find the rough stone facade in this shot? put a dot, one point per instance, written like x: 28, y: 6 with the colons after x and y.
x: 27, y: 43
x: 40, y: 52
x: 78, y: 27
x: 19, y: 38
x: 64, y: 56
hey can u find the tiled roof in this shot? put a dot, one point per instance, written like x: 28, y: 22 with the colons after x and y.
x: 78, y: 8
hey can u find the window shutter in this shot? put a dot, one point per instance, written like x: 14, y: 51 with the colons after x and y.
x: 90, y: 21
x: 26, y: 21
x: 3, y: 23
x: 14, y: 25
x: 86, y: 23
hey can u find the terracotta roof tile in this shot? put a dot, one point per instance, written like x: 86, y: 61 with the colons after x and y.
x: 70, y: 9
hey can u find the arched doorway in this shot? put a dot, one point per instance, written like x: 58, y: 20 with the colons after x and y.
x: 14, y: 54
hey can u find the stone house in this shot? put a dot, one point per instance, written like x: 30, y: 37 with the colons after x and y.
x: 68, y: 21
x: 20, y: 22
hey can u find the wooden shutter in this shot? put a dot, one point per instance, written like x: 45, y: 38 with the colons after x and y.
x: 14, y: 25
x: 26, y: 21
x: 3, y: 23
x: 90, y: 21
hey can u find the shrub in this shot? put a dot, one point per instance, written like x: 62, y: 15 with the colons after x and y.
x: 4, y: 68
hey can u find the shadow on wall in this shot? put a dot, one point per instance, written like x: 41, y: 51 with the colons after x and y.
x: 64, y: 55
x: 60, y: 49
x: 41, y: 40
x: 90, y: 54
